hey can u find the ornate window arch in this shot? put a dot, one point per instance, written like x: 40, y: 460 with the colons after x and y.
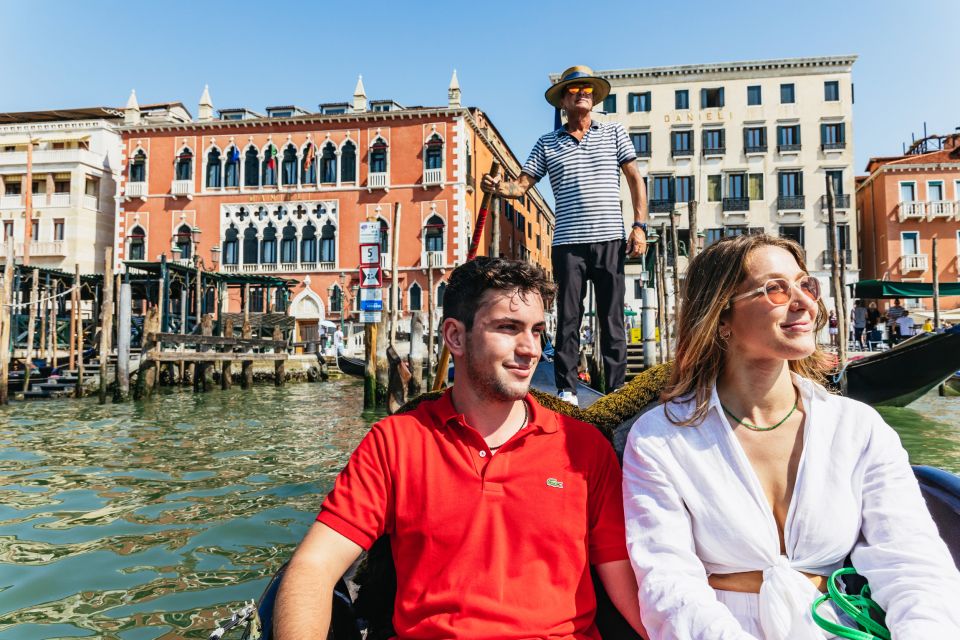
x: 288, y: 170
x: 308, y: 242
x: 328, y: 242
x: 268, y: 245
x: 328, y: 164
x: 348, y: 161
x: 415, y: 297
x: 271, y: 163
x: 231, y: 167
x: 183, y: 167
x: 383, y: 235
x: 336, y: 299
x: 214, y: 168
x: 433, y: 232
x: 441, y: 289
x: 251, y: 243
x: 378, y: 157
x: 251, y: 167
x: 433, y: 152
x: 231, y: 246
x: 288, y: 244
x: 308, y: 174
x: 137, y: 243
x: 184, y: 241
x: 138, y: 166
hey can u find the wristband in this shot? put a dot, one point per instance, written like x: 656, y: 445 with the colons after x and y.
x: 642, y: 226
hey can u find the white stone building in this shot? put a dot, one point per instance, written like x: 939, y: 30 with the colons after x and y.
x: 751, y: 142
x: 75, y: 171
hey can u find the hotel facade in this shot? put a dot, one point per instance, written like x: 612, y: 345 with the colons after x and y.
x: 752, y: 143
x: 282, y: 193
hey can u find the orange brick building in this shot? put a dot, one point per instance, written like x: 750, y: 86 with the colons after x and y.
x: 283, y: 193
x: 904, y: 203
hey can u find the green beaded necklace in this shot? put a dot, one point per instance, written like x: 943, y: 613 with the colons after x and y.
x: 754, y: 427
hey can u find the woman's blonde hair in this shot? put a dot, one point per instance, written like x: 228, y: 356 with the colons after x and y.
x: 712, y: 278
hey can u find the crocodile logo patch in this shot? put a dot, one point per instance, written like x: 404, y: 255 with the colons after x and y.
x: 553, y: 482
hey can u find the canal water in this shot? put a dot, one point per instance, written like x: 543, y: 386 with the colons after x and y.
x: 152, y: 520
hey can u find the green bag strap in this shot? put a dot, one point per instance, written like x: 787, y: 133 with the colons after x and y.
x: 858, y: 607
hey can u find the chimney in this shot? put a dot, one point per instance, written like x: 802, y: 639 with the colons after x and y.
x: 205, y: 112
x: 453, y: 92
x: 359, y: 96
x: 131, y: 113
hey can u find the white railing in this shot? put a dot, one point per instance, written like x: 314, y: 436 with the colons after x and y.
x: 53, y: 156
x: 939, y: 209
x: 956, y: 208
x: 281, y: 267
x: 55, y: 248
x: 384, y: 260
x: 913, y: 262
x: 377, y: 181
x: 432, y: 259
x: 58, y: 200
x: 912, y: 210
x: 90, y: 202
x: 182, y: 188
x: 39, y: 200
x: 432, y: 177
x: 11, y: 202
x: 136, y: 189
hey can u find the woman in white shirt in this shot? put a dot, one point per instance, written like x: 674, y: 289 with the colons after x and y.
x: 751, y: 484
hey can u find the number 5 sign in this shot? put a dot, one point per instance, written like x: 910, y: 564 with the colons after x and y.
x: 370, y: 254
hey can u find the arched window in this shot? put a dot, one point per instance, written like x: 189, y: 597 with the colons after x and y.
x: 184, y: 241
x: 415, y: 293
x: 336, y: 299
x: 251, y: 168
x: 270, y: 167
x: 138, y: 244
x: 328, y: 243
x: 250, y: 244
x: 434, y: 152
x: 138, y: 167
x: 433, y: 234
x: 213, y: 169
x: 231, y: 173
x: 268, y: 246
x: 348, y: 162
x: 440, y: 290
x: 308, y: 243
x: 308, y: 172
x: 328, y: 164
x: 378, y: 156
x: 289, y: 169
x: 184, y: 168
x: 384, y: 237
x: 231, y: 246
x: 288, y: 244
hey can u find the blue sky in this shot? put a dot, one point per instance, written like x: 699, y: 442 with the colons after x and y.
x: 254, y: 54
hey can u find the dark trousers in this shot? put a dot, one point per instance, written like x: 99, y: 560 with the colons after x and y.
x: 602, y: 264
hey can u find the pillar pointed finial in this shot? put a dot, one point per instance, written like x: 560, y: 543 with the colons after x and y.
x: 205, y: 112
x: 453, y: 92
x: 359, y: 96
x: 131, y: 113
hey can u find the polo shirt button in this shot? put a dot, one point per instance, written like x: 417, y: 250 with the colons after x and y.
x: 483, y: 454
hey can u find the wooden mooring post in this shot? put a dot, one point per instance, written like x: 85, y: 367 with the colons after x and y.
x: 415, y: 386
x: 121, y: 392
x: 78, y: 391
x: 246, y: 371
x: 106, y: 320
x: 226, y: 370
x: 6, y: 319
x: 279, y: 370
x: 201, y: 368
x: 32, y: 310
x: 149, y: 376
x: 370, y: 371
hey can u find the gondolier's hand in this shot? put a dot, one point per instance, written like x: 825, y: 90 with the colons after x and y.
x: 636, y: 243
x: 490, y: 183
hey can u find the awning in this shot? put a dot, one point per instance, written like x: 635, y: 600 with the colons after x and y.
x: 892, y: 289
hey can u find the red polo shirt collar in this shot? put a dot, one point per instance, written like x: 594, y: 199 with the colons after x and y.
x: 445, y: 414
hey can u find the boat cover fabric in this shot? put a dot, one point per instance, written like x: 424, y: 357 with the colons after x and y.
x: 694, y: 506
x: 891, y: 289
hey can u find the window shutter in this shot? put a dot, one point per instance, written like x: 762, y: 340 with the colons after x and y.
x: 703, y: 98
x: 721, y: 96
x: 841, y: 132
x: 746, y: 139
x: 823, y: 134
x: 723, y: 138
x: 799, y: 183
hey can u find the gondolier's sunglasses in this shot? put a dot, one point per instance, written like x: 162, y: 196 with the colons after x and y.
x: 575, y: 89
x: 777, y: 290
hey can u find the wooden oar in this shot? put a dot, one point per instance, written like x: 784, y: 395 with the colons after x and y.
x: 441, y: 376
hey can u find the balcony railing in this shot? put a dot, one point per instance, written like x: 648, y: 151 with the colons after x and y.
x: 377, y: 181
x: 661, y: 206
x: 432, y: 177
x: 282, y: 267
x: 790, y: 203
x: 788, y: 148
x: 913, y: 262
x: 136, y: 189
x: 90, y: 202
x: 58, y: 200
x: 11, y: 202
x: 643, y: 153
x: 38, y: 249
x: 681, y: 153
x: 182, y: 188
x: 432, y: 259
x: 840, y: 201
x: 911, y: 210
x: 846, y: 255
x: 940, y: 209
x: 52, y: 156
x: 760, y: 148
x: 714, y: 151
x: 736, y: 204
x: 833, y: 146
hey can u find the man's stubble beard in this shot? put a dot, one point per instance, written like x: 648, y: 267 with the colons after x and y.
x: 489, y: 386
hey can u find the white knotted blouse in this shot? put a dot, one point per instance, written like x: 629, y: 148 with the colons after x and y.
x: 694, y: 507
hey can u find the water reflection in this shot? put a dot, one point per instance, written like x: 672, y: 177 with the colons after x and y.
x: 150, y: 520
x: 929, y: 429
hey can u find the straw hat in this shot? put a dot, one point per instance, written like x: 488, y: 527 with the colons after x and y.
x: 580, y: 74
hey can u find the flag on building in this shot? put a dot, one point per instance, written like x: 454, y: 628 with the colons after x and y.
x: 272, y: 158
x: 308, y: 159
x: 234, y: 155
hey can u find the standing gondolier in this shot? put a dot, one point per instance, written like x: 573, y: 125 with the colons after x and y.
x: 584, y: 159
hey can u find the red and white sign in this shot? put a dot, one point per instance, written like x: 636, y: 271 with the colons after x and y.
x: 370, y: 254
x: 371, y: 277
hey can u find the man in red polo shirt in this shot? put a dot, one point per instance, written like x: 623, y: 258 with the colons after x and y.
x: 495, y: 506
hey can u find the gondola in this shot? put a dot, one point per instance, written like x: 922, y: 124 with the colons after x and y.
x: 900, y: 375
x: 351, y: 366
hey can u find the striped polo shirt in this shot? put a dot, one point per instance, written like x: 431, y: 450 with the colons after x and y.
x: 585, y: 178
